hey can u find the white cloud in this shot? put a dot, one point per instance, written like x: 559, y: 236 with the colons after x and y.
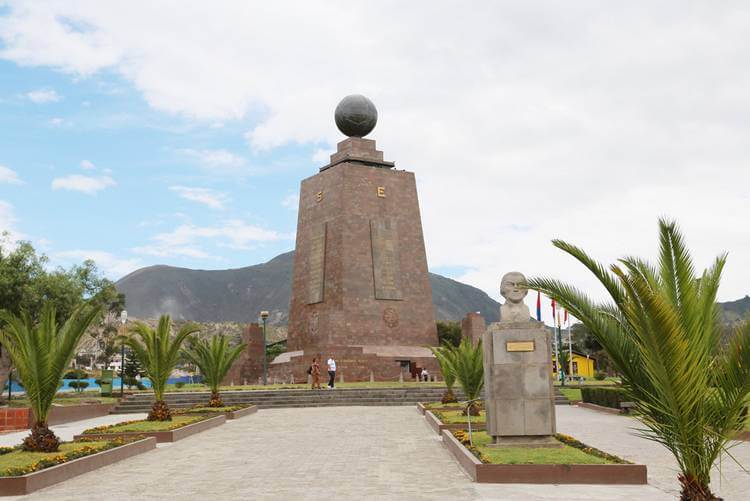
x: 291, y: 201
x: 111, y: 265
x: 210, y: 198
x: 41, y: 96
x: 216, y: 160
x: 9, y: 234
x: 585, y: 121
x: 232, y: 233
x: 57, y: 122
x: 87, y: 165
x: 84, y: 184
x: 9, y: 176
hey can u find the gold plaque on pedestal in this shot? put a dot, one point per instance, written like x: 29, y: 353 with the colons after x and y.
x: 519, y: 346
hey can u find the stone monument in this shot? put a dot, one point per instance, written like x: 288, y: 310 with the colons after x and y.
x: 360, y: 286
x: 518, y: 386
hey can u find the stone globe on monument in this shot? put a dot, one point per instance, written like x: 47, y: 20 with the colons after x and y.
x: 360, y: 286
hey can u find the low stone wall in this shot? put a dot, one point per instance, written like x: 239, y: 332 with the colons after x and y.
x: 600, y: 408
x: 14, y: 419
x: 607, y: 474
x: 25, y: 484
x: 163, y: 436
x: 20, y: 418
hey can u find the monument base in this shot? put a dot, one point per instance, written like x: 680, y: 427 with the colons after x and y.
x: 526, y: 441
x: 357, y: 363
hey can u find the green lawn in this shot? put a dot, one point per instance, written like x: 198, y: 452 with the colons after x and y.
x: 455, y: 417
x: 437, y: 405
x: 21, y: 459
x: 204, y: 410
x: 177, y: 421
x: 541, y: 455
x: 571, y: 393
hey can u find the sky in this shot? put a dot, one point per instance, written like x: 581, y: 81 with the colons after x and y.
x: 139, y: 133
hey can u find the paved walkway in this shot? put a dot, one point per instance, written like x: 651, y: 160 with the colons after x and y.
x: 360, y: 452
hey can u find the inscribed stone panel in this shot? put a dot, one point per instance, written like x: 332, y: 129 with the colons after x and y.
x: 386, y: 265
x: 316, y: 263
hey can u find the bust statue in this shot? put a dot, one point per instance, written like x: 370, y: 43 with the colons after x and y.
x: 511, y: 288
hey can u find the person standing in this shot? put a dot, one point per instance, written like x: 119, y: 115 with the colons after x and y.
x: 331, y: 372
x: 315, y: 372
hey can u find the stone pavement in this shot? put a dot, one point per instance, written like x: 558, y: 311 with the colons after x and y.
x: 359, y: 452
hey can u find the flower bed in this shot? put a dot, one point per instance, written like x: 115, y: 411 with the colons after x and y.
x: 24, y: 472
x: 180, y: 427
x: 477, y: 423
x: 230, y: 411
x: 573, y: 463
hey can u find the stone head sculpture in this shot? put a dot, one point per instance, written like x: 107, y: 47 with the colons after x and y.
x: 513, y: 289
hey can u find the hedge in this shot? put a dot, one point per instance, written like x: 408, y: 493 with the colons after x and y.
x: 607, y: 397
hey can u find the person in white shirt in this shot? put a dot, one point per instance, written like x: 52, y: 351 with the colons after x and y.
x: 331, y: 372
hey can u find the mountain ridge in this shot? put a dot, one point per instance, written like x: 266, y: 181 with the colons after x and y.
x: 239, y: 294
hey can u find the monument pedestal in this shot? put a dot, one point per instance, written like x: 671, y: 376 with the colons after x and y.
x: 518, y: 384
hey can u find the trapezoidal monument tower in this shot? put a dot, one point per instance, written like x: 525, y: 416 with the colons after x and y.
x: 360, y: 289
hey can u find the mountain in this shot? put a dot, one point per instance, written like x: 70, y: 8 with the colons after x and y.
x: 735, y: 311
x: 239, y: 295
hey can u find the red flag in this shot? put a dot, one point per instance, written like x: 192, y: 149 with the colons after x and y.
x: 565, y: 316
x: 538, y: 306
x: 553, y: 310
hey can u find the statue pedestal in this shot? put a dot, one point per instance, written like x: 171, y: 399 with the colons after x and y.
x: 518, y: 385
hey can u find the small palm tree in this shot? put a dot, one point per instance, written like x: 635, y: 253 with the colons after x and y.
x: 41, y: 353
x: 158, y: 352
x: 662, y: 332
x: 444, y: 354
x: 214, y: 359
x: 468, y: 365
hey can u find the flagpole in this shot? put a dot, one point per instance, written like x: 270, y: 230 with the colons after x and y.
x: 570, y: 345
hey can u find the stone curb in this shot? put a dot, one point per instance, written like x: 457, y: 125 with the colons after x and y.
x: 25, y: 484
x: 164, y: 436
x: 600, y: 474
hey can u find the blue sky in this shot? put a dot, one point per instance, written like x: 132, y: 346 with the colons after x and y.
x: 153, y: 175
x: 197, y: 121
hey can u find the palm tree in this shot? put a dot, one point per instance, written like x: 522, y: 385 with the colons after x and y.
x: 41, y: 353
x: 443, y: 355
x: 158, y: 351
x: 214, y: 359
x: 662, y: 332
x: 468, y: 365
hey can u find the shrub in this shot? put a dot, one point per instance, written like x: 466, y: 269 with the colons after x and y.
x: 75, y: 374
x: 179, y: 384
x: 607, y: 397
x: 79, y: 385
x: 600, y: 375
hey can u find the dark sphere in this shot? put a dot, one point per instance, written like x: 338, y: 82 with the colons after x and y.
x: 356, y: 116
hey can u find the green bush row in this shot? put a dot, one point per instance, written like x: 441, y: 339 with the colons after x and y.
x: 607, y: 397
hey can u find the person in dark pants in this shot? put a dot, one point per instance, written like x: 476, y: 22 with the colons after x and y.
x: 331, y: 372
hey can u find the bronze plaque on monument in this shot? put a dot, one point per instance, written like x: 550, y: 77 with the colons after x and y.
x: 519, y: 346
x: 385, y: 259
x: 316, y: 262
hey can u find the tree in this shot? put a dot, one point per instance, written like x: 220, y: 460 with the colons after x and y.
x: 468, y: 365
x: 158, y: 352
x: 41, y: 352
x: 444, y: 355
x: 132, y: 371
x: 662, y: 332
x: 214, y: 359
x: 449, y: 332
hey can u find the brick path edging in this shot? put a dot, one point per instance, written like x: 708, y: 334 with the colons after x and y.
x: 25, y: 484
x: 164, y: 436
x: 606, y: 474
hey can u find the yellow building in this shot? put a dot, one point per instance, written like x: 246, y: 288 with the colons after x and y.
x: 583, y: 365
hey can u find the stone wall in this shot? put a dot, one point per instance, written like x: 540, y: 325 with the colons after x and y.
x: 249, y: 366
x: 472, y: 327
